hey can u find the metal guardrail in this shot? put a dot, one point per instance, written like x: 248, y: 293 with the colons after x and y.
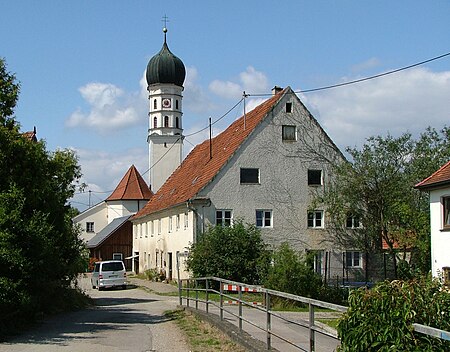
x: 208, y: 285
x: 428, y: 330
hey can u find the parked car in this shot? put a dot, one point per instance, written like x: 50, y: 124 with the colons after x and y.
x: 109, y: 273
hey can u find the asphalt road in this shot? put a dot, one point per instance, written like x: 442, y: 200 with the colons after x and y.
x: 123, y: 320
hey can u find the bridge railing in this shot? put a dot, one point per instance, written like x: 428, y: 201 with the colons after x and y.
x: 198, y: 292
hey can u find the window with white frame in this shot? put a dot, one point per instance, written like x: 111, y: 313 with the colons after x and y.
x: 186, y: 220
x: 152, y: 227
x: 289, y: 133
x: 89, y: 227
x: 223, y: 217
x: 159, y: 226
x: 315, y: 219
x: 446, y: 213
x: 177, y: 222
x: 140, y: 230
x: 353, y: 221
x: 170, y: 223
x: 249, y: 176
x: 353, y: 259
x: 264, y: 218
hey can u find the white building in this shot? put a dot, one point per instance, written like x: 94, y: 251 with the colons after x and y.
x: 438, y: 186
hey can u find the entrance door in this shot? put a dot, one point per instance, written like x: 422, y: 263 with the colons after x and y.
x: 170, y: 266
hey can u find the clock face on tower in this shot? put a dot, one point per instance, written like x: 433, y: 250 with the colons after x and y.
x: 166, y: 103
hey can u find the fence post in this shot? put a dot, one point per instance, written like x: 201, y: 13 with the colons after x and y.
x: 207, y: 295
x: 268, y: 321
x: 196, y: 294
x: 180, y: 291
x: 188, y: 292
x: 311, y: 330
x: 221, y: 299
x: 240, y: 307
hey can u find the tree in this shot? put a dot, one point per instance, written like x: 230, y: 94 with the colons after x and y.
x: 40, y: 253
x: 235, y: 252
x: 377, y: 188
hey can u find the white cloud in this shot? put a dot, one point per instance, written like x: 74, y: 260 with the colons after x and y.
x: 366, y: 65
x: 408, y: 101
x: 195, y: 99
x: 110, y: 108
x: 102, y: 171
x: 250, y: 81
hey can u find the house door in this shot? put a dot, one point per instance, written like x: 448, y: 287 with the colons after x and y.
x: 170, y: 265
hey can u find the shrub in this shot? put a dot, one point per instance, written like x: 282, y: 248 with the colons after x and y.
x: 292, y: 273
x: 380, y: 319
x: 234, y: 252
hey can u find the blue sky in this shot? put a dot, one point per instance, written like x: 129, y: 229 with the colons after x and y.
x: 81, y: 66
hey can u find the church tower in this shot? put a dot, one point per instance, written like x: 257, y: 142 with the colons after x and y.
x: 165, y: 77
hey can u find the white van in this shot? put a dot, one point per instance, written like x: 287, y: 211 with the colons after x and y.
x: 109, y: 273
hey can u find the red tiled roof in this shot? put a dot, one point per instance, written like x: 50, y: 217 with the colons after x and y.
x: 30, y: 135
x: 439, y: 178
x: 198, y: 169
x: 131, y: 187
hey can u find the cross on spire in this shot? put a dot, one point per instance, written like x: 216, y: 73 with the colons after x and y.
x: 165, y: 19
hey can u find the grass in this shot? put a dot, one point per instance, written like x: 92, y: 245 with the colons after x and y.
x: 201, y: 336
x: 333, y: 323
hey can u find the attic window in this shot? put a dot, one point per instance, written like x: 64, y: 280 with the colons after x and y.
x: 288, y: 107
x: 289, y: 133
x: 249, y: 176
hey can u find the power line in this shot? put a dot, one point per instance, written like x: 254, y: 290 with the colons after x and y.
x: 363, y: 79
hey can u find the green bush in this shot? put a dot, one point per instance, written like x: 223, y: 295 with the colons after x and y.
x: 234, y: 252
x: 380, y: 319
x: 292, y: 273
x: 151, y: 274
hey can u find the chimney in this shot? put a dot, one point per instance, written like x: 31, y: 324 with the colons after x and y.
x: 276, y: 90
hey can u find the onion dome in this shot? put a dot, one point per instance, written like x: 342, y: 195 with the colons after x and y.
x: 165, y: 67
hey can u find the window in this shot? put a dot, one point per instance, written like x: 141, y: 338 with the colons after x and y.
x: 144, y: 229
x: 170, y: 224
x: 186, y: 220
x: 264, y: 218
x: 155, y: 104
x: 176, y: 104
x: 177, y: 221
x: 117, y: 256
x: 152, y: 227
x: 155, y: 122
x: 166, y: 121
x: 288, y: 107
x: 315, y: 219
x: 353, y: 259
x: 223, y: 217
x: 289, y: 133
x: 446, y: 212
x: 139, y: 226
x: 314, y: 177
x: 353, y: 222
x: 250, y: 176
x: 159, y: 226
x: 177, y: 122
x: 89, y: 227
